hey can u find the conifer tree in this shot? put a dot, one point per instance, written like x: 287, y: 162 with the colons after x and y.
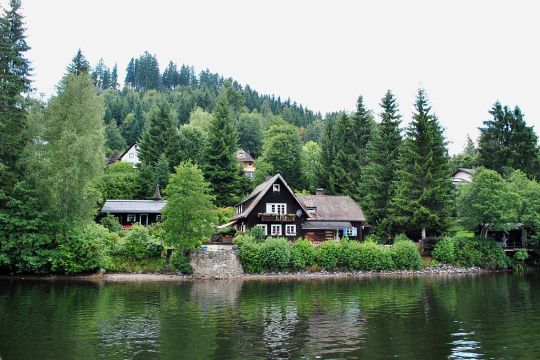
x: 363, y: 126
x: 113, y: 137
x: 467, y: 159
x: 381, y: 165
x: 130, y: 74
x: 79, y: 65
x: 506, y: 143
x: 14, y: 82
x: 328, y: 154
x: 114, y: 77
x: 421, y: 195
x: 220, y: 166
x: 161, y: 171
x: 158, y: 134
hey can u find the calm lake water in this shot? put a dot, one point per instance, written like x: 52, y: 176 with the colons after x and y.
x: 494, y: 316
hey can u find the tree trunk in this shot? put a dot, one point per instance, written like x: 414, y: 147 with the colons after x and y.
x: 423, y: 233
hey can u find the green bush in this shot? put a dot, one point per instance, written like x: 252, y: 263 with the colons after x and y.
x: 250, y: 254
x: 372, y: 257
x: 180, y: 262
x: 401, y: 237
x: 444, y: 251
x: 84, y: 249
x: 406, y: 255
x: 303, y: 255
x: 481, y: 252
x: 348, y: 254
x: 521, y: 255
x: 111, y: 222
x: 328, y: 255
x: 136, y: 242
x: 276, y: 254
x: 153, y: 249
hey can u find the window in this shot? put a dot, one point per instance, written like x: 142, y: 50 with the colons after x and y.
x: 243, y: 227
x: 275, y: 229
x: 352, y: 231
x: 276, y: 208
x: 276, y: 187
x: 290, y: 230
x: 131, y: 155
x: 131, y: 218
x: 264, y: 227
x: 311, y: 210
x: 159, y: 217
x: 240, y: 209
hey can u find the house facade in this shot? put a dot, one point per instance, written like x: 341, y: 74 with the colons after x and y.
x: 131, y: 155
x: 246, y: 161
x: 462, y: 176
x: 275, y: 208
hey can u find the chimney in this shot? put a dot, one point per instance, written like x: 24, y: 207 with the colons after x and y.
x: 319, y: 191
x: 157, y: 194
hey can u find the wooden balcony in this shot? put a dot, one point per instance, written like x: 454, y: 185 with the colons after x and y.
x: 277, y: 218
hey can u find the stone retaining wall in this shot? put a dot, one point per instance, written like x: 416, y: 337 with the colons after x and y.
x: 216, y: 265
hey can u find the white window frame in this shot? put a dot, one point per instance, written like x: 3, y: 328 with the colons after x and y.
x: 276, y: 226
x: 350, y: 231
x: 131, y: 155
x: 244, y: 228
x: 276, y: 188
x: 288, y: 228
x: 276, y: 208
x: 264, y: 227
x: 134, y: 218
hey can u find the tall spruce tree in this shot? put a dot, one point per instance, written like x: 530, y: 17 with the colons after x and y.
x: 421, y: 196
x: 79, y: 65
x: 328, y: 154
x: 158, y: 134
x: 362, y: 128
x: 220, y: 166
x: 506, y: 143
x: 130, y: 74
x: 382, y: 156
x: 14, y: 83
x: 114, y: 77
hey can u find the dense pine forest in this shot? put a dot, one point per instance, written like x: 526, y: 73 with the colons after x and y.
x: 57, y: 159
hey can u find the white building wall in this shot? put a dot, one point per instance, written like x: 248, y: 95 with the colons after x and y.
x: 132, y: 156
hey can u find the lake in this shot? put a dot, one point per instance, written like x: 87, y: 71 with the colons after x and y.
x: 495, y: 316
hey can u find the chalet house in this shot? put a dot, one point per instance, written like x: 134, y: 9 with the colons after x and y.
x: 274, y: 207
x: 247, y: 162
x: 462, y: 176
x: 131, y: 155
x: 130, y: 212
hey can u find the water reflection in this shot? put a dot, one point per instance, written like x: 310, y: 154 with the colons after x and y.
x: 420, y: 318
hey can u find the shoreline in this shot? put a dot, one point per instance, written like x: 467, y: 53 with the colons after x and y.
x: 440, y: 271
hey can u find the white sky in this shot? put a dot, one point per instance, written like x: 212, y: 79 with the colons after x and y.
x: 466, y: 54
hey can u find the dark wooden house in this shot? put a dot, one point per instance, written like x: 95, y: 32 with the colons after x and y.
x: 275, y: 208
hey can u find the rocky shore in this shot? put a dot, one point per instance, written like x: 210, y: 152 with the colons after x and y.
x: 439, y: 270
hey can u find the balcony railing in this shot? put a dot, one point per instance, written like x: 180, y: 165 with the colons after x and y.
x: 278, y: 217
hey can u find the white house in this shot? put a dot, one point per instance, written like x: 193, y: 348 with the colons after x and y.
x: 131, y: 155
x: 463, y: 176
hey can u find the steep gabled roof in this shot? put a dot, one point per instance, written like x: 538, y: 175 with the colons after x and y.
x: 258, y: 193
x: 332, y: 208
x: 467, y: 171
x: 125, y: 152
x: 243, y: 155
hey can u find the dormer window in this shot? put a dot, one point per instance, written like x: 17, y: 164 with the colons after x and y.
x: 311, y: 210
x: 240, y: 154
x: 276, y: 187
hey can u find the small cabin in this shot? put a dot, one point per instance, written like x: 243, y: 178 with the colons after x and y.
x: 130, y: 212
